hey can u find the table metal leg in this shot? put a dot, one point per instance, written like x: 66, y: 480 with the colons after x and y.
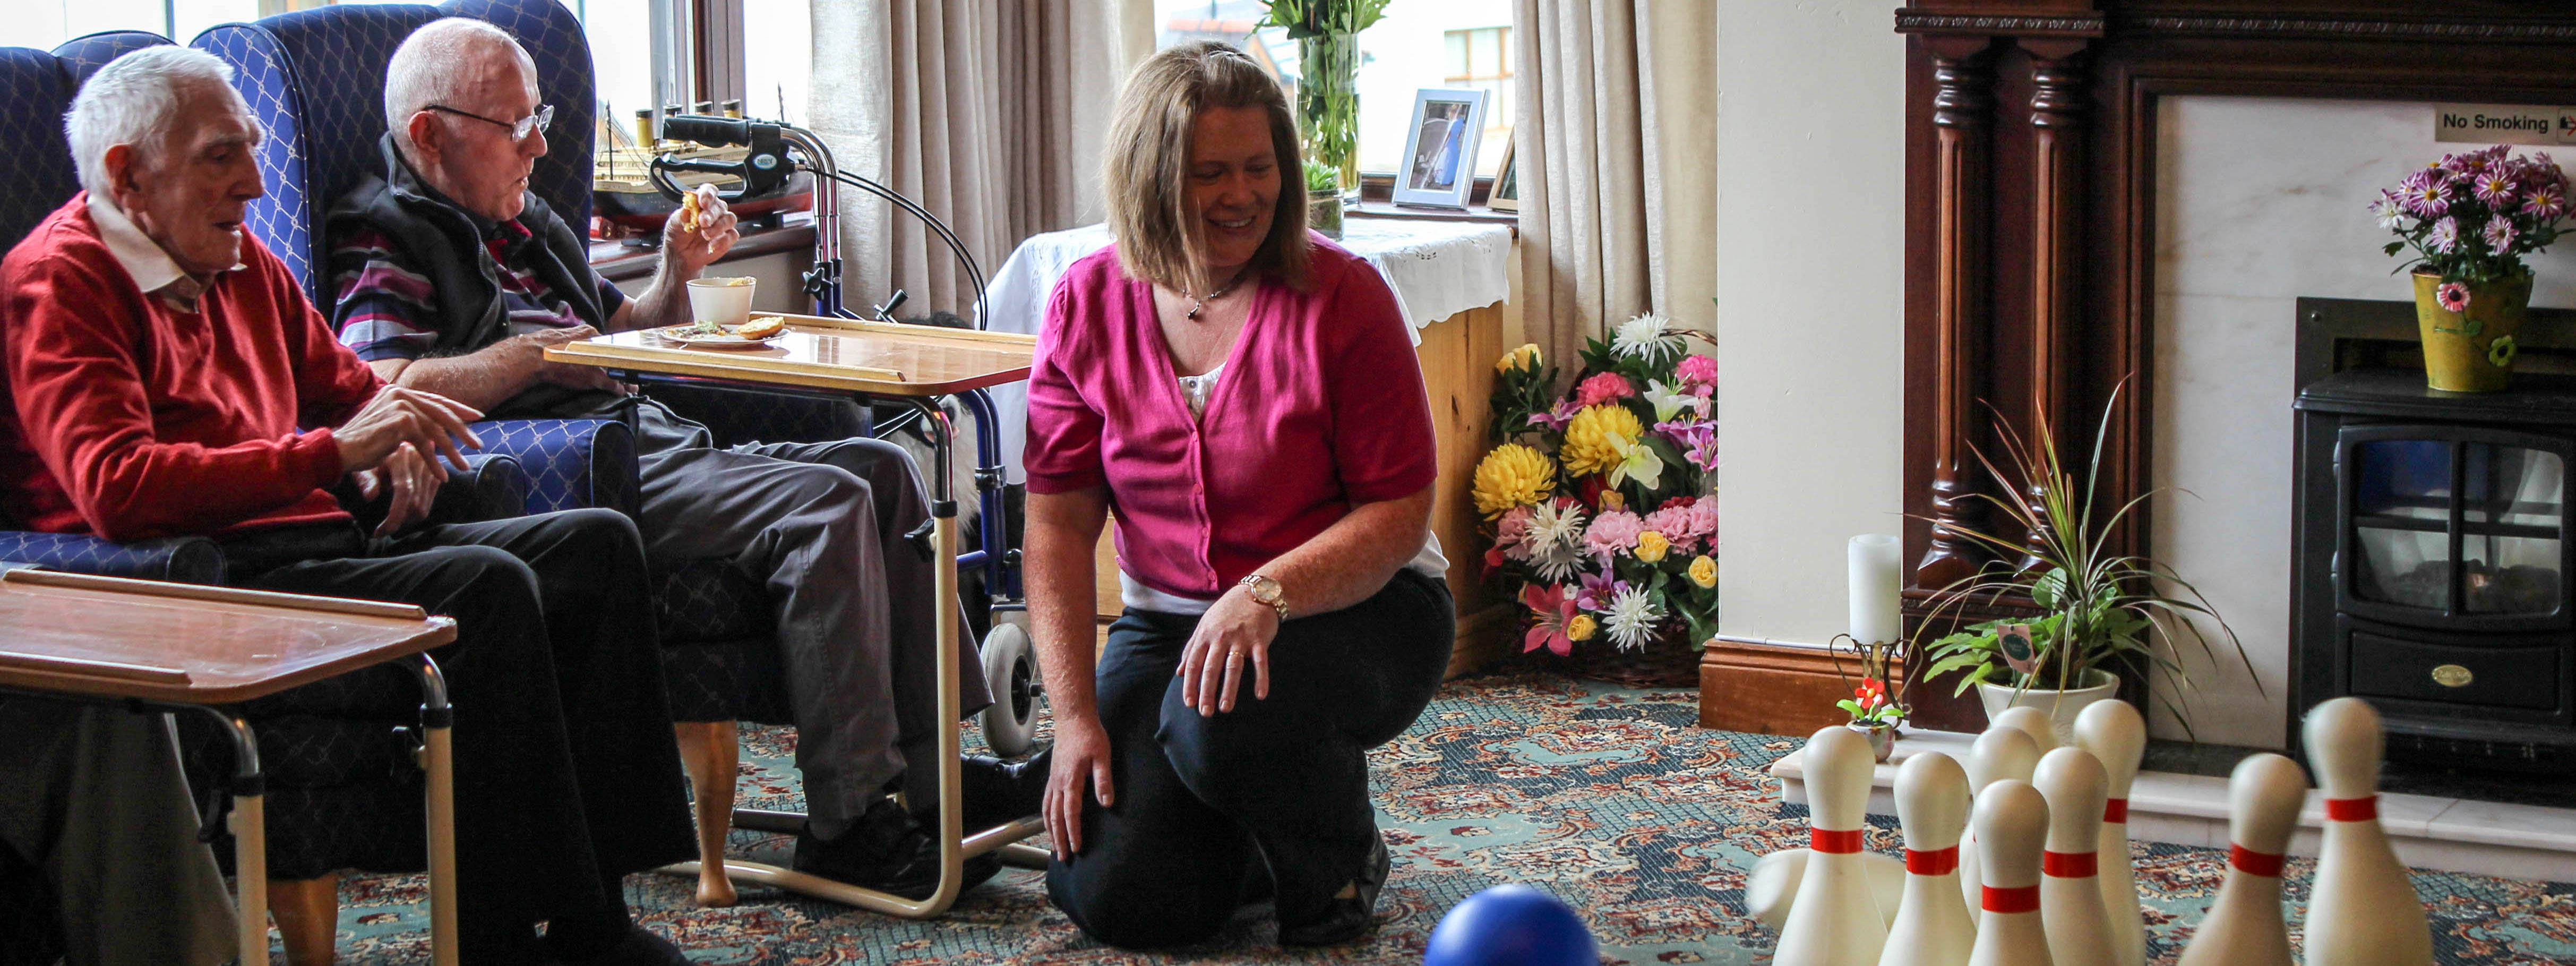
x: 438, y: 760
x: 250, y: 838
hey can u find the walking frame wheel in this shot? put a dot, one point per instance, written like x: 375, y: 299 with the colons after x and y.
x: 1011, y: 673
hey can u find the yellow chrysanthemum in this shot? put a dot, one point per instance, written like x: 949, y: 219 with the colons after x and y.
x: 1525, y: 356
x: 1580, y: 628
x: 1512, y: 475
x: 1598, y: 438
x: 1651, y: 546
x: 1703, y: 571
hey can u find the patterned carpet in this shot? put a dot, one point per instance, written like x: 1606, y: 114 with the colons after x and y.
x: 1612, y: 799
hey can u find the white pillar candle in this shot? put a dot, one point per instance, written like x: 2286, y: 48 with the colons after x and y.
x: 1876, y: 579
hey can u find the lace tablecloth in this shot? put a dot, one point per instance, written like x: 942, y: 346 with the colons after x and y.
x: 1437, y: 269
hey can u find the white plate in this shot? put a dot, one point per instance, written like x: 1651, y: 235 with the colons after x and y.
x: 679, y: 334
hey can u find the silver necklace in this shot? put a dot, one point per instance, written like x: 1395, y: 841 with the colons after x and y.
x: 1198, y: 303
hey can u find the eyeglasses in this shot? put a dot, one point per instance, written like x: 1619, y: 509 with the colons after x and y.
x: 543, y: 119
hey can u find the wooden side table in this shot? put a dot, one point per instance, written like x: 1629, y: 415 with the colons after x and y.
x: 176, y: 647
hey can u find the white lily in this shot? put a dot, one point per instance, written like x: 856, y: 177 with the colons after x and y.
x: 1668, y: 401
x: 1637, y: 461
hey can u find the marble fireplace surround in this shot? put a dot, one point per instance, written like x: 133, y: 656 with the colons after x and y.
x: 2142, y: 190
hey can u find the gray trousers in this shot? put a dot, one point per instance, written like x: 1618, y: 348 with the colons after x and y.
x: 93, y: 796
x: 823, y: 525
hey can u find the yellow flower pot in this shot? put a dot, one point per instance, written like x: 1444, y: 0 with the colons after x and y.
x: 2470, y: 350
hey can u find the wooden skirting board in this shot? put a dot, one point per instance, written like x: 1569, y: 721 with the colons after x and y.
x: 1764, y: 689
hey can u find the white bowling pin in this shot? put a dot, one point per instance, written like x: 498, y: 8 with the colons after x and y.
x: 1835, y: 921
x: 2033, y: 721
x: 2244, y: 926
x: 2012, y: 825
x: 1932, y: 926
x: 2363, y: 911
x: 2070, y: 900
x: 1772, y: 887
x: 2115, y: 733
x: 1999, y: 754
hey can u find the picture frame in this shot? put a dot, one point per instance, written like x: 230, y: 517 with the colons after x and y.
x: 1506, y: 193
x: 1440, y: 149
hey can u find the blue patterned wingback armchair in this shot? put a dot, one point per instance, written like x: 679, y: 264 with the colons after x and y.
x: 337, y: 786
x: 316, y: 78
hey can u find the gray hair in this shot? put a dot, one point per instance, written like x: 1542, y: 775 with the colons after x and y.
x: 429, y: 68
x: 136, y: 100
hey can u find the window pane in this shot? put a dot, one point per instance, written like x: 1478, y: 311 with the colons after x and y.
x: 1412, y: 49
x: 778, y: 58
x: 1460, y: 67
x: 1485, y: 52
x: 621, y: 56
x: 192, y: 17
x: 44, y: 24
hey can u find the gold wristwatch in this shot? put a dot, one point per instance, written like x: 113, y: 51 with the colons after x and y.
x: 1267, y: 591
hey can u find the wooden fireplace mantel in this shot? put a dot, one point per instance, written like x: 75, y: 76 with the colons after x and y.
x: 2030, y: 227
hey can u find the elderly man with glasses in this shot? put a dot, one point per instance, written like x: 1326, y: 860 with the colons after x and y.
x: 169, y: 377
x: 453, y: 278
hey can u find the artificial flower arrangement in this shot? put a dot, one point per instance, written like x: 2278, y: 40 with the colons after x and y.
x: 2469, y: 218
x: 1602, y: 521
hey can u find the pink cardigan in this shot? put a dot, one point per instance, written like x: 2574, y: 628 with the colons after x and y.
x: 1321, y: 408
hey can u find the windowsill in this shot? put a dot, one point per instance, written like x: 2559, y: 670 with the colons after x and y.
x: 1394, y: 212
x: 620, y: 262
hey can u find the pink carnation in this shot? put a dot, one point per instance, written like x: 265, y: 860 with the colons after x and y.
x: 1674, y: 523
x: 1511, y: 535
x: 1601, y: 388
x: 1613, y: 532
x: 1698, y: 371
x: 1703, y: 520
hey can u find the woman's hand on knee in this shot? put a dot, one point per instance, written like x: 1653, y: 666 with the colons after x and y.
x: 1233, y: 639
x: 1081, y: 757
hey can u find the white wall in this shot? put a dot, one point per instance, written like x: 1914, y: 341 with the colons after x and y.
x: 2260, y: 201
x: 1810, y: 169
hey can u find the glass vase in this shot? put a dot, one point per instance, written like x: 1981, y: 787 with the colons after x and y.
x: 1328, y: 103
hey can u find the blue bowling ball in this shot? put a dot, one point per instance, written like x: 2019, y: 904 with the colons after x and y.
x: 1511, y: 925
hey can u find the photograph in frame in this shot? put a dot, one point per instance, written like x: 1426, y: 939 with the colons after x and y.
x: 1506, y: 195
x: 1439, y: 160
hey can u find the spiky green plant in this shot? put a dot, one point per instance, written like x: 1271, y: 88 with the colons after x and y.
x: 2101, y: 606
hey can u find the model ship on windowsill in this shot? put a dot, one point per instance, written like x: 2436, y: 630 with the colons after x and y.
x: 623, y: 194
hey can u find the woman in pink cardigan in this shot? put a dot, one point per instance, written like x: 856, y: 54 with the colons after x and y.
x: 1245, y: 394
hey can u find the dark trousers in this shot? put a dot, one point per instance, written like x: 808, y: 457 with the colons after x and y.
x: 1205, y: 805
x: 567, y: 773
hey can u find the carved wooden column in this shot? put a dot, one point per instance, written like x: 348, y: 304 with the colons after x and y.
x: 1962, y: 105
x: 2056, y: 233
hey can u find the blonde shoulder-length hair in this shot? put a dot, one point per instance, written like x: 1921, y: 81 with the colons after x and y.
x: 1145, y: 166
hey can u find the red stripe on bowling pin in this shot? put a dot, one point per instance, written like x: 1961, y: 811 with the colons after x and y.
x: 2070, y: 865
x: 2014, y: 900
x: 1932, y: 861
x: 2255, y: 863
x: 2352, y: 809
x: 2116, y: 811
x: 1836, y: 843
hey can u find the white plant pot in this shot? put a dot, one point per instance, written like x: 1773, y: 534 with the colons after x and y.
x: 2062, y: 706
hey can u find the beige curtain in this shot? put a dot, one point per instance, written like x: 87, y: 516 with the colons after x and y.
x: 989, y: 113
x: 1616, y: 142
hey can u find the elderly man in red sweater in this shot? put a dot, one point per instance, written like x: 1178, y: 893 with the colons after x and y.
x: 169, y: 377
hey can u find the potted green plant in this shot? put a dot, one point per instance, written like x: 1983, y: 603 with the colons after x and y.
x: 1328, y: 73
x: 1324, y: 199
x: 1877, y: 704
x: 2470, y: 218
x: 2099, y: 607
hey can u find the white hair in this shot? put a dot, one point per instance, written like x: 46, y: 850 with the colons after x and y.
x: 137, y: 100
x: 431, y: 67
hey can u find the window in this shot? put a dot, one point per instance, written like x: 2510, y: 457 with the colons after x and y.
x: 1481, y: 59
x: 1451, y: 43
x: 45, y: 24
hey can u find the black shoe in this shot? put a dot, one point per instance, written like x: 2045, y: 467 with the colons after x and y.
x: 996, y: 791
x: 638, y: 947
x: 888, y: 851
x: 1346, y: 917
